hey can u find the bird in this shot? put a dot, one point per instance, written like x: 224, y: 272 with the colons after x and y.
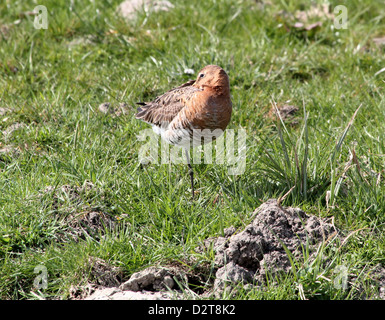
x: 193, y: 113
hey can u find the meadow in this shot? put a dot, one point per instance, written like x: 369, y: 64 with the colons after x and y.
x: 62, y: 158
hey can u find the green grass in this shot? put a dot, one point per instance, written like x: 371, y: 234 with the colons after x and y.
x: 52, y: 81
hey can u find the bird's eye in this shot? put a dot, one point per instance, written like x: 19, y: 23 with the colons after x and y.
x: 201, y: 75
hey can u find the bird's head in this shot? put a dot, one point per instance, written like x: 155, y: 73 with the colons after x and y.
x: 213, y: 77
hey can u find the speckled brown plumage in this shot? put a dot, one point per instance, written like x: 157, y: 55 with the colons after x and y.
x: 201, y: 104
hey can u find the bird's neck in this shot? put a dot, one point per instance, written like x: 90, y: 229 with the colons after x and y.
x: 219, y: 90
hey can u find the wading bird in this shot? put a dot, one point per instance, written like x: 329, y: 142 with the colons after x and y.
x: 192, y: 113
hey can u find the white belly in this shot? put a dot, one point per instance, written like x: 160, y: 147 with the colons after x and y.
x: 187, y: 137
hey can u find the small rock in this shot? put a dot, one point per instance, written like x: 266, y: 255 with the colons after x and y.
x: 285, y: 111
x: 168, y: 282
x: 379, y: 41
x: 231, y: 273
x: 82, y: 41
x: 189, y: 71
x: 105, y: 108
x: 152, y: 278
x: 128, y: 9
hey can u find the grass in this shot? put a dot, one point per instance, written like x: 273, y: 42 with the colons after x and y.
x: 52, y: 82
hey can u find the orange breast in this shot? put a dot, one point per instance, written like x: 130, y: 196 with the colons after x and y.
x: 208, y: 110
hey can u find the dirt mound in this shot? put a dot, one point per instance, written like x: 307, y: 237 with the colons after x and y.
x: 66, y: 194
x: 88, y: 224
x: 262, y: 246
x: 77, y: 218
x: 101, y: 274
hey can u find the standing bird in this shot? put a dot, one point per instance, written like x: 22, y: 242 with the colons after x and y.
x: 192, y: 113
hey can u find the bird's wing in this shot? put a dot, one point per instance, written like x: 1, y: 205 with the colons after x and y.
x: 164, y: 108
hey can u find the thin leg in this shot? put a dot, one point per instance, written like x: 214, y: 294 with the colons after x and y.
x: 191, y: 172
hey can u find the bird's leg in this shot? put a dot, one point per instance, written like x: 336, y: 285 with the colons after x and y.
x: 192, y: 179
x: 191, y: 172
